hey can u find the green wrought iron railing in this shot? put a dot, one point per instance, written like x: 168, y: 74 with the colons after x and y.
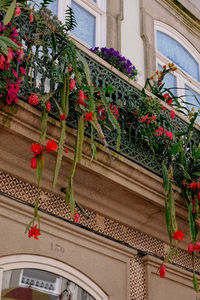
x: 40, y: 80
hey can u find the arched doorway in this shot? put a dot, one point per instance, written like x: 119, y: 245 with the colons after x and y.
x: 53, y: 279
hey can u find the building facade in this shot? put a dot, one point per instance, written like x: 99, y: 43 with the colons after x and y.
x: 113, y: 253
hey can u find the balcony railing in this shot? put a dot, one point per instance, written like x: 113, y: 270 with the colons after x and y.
x: 40, y: 80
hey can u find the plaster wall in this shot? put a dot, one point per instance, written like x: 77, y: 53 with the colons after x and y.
x: 132, y: 46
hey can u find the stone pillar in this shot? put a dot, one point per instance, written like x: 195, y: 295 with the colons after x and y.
x: 114, y: 18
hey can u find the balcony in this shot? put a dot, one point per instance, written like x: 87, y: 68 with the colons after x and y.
x: 135, y: 174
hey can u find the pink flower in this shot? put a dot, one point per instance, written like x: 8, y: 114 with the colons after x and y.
x: 81, y: 95
x: 169, y: 134
x: 23, y: 71
x: 14, y: 73
x: 2, y: 61
x: 144, y: 118
x: 48, y: 106
x: 153, y: 118
x: 51, y: 146
x: 76, y: 218
x: 12, y: 90
x: 63, y: 117
x: 34, y: 163
x: 31, y: 17
x: 72, y: 84
x: 162, y: 271
x: 33, y: 99
x: 191, y: 248
x: 159, y: 131
x: 172, y: 114
x: 17, y: 11
x: 178, y: 235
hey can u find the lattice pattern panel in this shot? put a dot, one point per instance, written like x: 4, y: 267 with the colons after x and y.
x: 100, y: 224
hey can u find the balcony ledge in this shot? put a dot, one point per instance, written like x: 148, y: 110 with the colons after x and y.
x: 121, y: 190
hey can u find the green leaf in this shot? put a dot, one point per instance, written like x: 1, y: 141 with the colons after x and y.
x: 9, y: 42
x: 60, y: 152
x: 44, y: 124
x: 81, y: 130
x: 9, y: 13
x: 196, y: 174
x: 86, y: 67
x: 195, y: 283
x: 178, y: 147
x: 168, y: 220
x: 172, y: 208
x: 165, y: 178
x: 192, y: 224
x: 3, y: 47
x: 72, y: 203
x: 40, y: 166
x: 93, y: 146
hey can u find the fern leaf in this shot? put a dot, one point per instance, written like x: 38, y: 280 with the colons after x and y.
x: 45, y: 3
x: 70, y: 21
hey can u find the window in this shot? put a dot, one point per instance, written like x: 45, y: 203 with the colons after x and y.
x: 90, y: 16
x: 172, y: 47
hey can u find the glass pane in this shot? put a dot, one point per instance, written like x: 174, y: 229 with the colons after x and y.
x: 169, y: 81
x: 52, y: 6
x: 29, y: 284
x: 192, y: 97
x: 86, y: 25
x: 178, y: 54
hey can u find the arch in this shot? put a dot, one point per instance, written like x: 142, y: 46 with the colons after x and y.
x: 184, y: 45
x: 48, y: 264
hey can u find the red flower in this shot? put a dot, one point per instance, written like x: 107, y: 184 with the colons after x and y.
x: 33, y: 232
x: 17, y: 11
x: 34, y: 163
x: 88, y: 117
x: 63, y: 117
x: 23, y: 71
x: 66, y: 151
x: 169, y: 134
x: 79, y: 101
x: 72, y: 84
x: 48, y: 106
x: 76, y: 218
x: 163, y: 108
x: 36, y: 148
x: 33, y: 99
x: 14, y: 73
x: 178, y: 235
x: 31, y: 17
x: 162, y: 271
x: 172, y: 114
x: 197, y: 246
x: 159, y: 131
x: 191, y: 248
x: 51, y: 146
x: 168, y: 98
x: 2, y: 61
x: 69, y: 68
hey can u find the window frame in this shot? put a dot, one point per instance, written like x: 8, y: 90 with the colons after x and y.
x: 182, y: 77
x: 98, y: 10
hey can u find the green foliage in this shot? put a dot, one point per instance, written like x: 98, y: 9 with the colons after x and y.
x: 45, y: 3
x: 70, y: 21
x: 9, y: 12
x: 195, y: 283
